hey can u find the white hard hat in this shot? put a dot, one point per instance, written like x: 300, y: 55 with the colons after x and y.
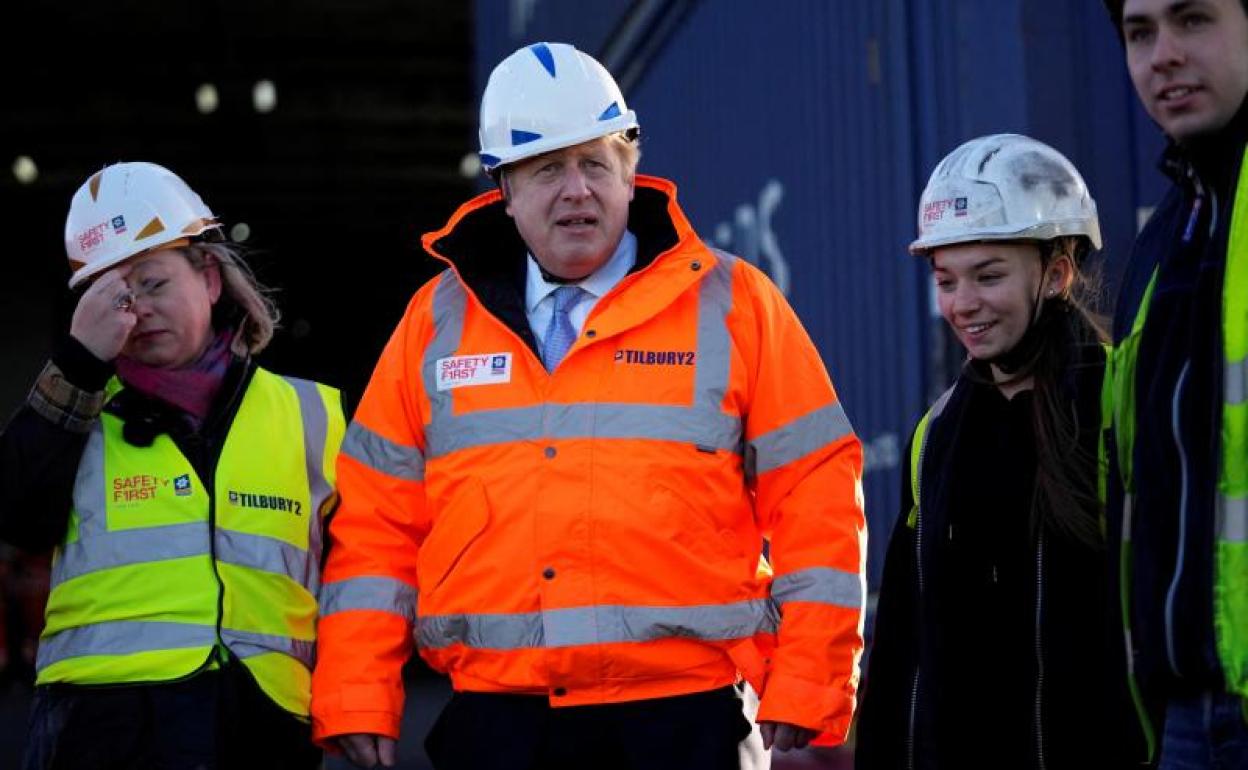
x: 545, y: 97
x: 128, y: 209
x: 1004, y: 187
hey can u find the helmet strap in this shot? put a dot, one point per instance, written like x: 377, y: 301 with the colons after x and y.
x: 1018, y: 360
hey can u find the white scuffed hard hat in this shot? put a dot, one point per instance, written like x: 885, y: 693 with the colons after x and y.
x: 545, y: 97
x: 1004, y: 187
x: 128, y: 209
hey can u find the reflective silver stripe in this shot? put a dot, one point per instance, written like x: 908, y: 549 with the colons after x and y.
x: 383, y: 455
x: 315, y: 418
x: 812, y: 431
x: 693, y: 425
x: 369, y: 593
x: 939, y: 407
x: 711, y: 428
x: 122, y: 637
x: 130, y: 546
x: 90, y: 494
x: 268, y: 554
x: 246, y: 644
x: 1128, y: 507
x: 449, y: 303
x: 1235, y: 381
x: 714, y: 342
x: 1232, y: 516
x: 703, y: 423
x: 126, y: 637
x: 598, y: 625
x: 823, y: 585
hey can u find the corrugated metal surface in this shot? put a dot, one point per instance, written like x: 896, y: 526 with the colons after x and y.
x: 801, y: 137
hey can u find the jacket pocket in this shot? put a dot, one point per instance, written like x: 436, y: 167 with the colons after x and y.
x: 693, y: 526
x: 454, y: 530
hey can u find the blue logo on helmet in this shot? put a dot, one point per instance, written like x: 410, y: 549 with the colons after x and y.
x: 543, y: 54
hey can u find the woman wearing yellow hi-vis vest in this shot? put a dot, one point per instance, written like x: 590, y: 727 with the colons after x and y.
x: 993, y: 643
x: 184, y: 488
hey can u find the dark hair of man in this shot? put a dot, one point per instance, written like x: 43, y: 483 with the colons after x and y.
x: 1114, y: 8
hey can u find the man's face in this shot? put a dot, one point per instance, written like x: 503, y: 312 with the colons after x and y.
x: 571, y: 206
x: 1189, y: 62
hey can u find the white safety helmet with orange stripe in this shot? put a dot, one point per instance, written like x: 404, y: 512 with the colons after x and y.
x: 545, y: 97
x: 128, y: 209
x: 1004, y: 187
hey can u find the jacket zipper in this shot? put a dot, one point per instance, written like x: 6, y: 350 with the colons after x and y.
x: 223, y: 653
x: 1172, y: 593
x: 1039, y: 710
x: 918, y: 559
x: 1193, y: 220
x: 212, y: 448
x: 1124, y: 597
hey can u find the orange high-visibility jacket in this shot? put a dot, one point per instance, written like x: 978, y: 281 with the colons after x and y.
x: 592, y: 534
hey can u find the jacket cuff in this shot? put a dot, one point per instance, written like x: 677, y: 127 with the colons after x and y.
x: 80, y: 366
x: 822, y: 707
x: 69, y: 392
x: 356, y: 708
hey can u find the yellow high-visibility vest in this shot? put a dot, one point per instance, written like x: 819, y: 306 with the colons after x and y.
x: 160, y: 569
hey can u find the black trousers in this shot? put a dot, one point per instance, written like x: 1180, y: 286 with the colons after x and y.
x: 215, y: 720
x: 491, y: 731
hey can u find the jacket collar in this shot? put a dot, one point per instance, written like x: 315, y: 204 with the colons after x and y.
x: 481, y: 245
x: 1215, y: 160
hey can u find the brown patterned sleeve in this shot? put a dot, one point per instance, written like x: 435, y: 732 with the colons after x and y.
x: 59, y: 401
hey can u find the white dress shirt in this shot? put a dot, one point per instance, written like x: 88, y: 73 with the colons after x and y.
x: 539, y: 305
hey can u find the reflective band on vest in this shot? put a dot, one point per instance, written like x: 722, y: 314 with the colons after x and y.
x: 1230, y: 588
x: 123, y: 637
x: 918, y: 450
x: 135, y: 584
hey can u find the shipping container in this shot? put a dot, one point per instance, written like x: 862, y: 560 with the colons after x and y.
x: 801, y: 133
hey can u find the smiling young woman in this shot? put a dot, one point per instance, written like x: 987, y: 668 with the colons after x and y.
x: 991, y: 644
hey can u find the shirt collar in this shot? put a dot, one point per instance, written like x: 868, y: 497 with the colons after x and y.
x: 596, y: 283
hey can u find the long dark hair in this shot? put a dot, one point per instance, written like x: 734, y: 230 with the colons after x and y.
x: 1066, y: 497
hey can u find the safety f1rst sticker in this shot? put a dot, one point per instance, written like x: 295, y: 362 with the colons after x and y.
x: 479, y: 369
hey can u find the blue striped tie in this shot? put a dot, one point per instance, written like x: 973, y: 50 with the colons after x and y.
x: 559, y: 332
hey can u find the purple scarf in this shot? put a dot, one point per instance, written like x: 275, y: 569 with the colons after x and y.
x: 191, y: 388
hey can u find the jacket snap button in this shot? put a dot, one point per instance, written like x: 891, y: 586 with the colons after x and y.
x: 591, y: 333
x: 695, y: 265
x: 550, y: 451
x: 548, y: 573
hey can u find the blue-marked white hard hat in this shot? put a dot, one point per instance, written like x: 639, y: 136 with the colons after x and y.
x: 545, y: 97
x: 1004, y: 187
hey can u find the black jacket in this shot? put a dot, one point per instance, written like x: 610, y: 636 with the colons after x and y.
x: 39, y: 458
x: 1178, y: 382
x: 998, y: 650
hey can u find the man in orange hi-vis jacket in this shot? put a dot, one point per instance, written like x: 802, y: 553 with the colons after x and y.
x: 559, y: 481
